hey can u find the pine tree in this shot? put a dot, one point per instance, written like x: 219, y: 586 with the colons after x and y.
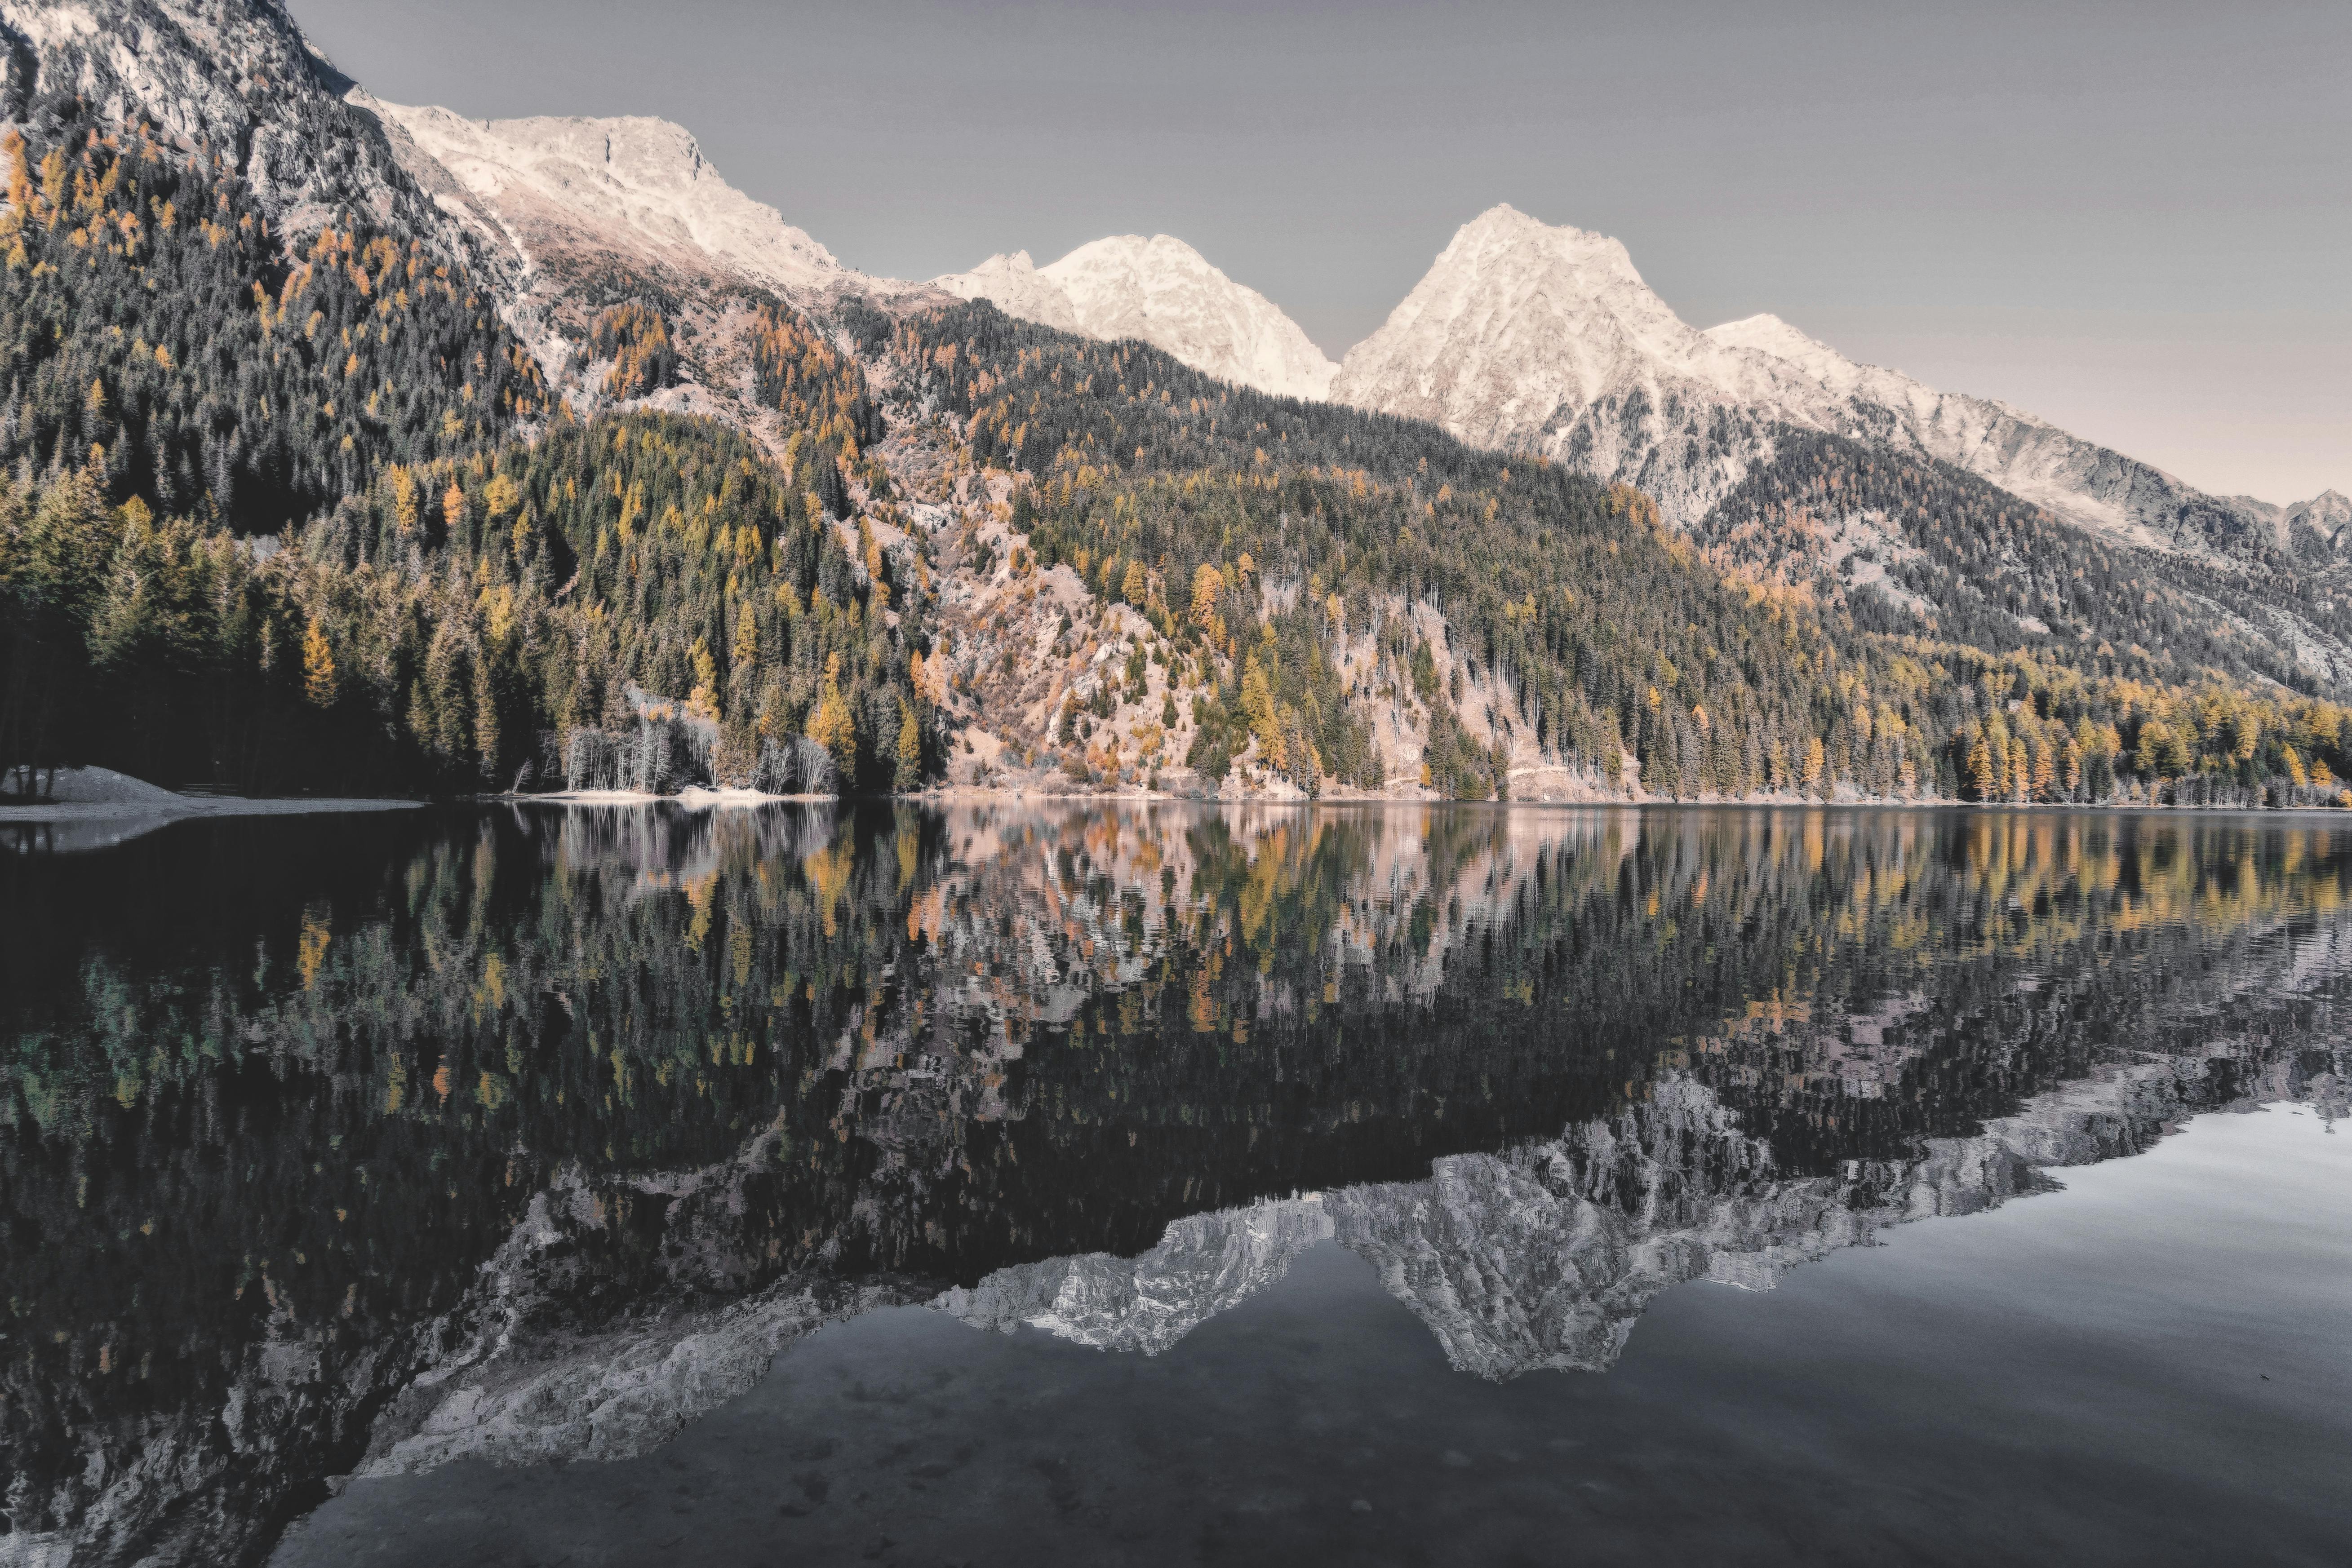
x: 1207, y: 584
x: 403, y: 499
x: 318, y: 666
x: 486, y: 718
x: 910, y: 775
x: 745, y: 653
x: 1979, y: 768
x: 703, y: 700
x: 832, y: 725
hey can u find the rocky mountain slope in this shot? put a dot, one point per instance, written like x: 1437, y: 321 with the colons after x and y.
x: 558, y: 192
x: 1164, y: 292
x: 238, y: 79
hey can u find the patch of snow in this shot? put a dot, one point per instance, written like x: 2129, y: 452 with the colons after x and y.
x: 1165, y: 293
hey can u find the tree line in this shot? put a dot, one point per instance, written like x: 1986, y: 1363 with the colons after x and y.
x: 650, y: 578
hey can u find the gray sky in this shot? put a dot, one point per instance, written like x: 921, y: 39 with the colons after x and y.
x: 2133, y: 218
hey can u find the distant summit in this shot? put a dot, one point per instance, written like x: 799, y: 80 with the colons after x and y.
x: 1164, y: 292
x: 1528, y: 335
x: 634, y: 187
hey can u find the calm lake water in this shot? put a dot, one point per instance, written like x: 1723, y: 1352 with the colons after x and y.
x: 1030, y: 1184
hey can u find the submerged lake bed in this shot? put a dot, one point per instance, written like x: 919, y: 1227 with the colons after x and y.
x: 1129, y: 1182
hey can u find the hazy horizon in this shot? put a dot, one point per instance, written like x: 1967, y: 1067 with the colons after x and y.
x: 2130, y: 221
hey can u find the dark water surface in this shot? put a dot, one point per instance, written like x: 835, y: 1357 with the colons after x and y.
x: 1103, y: 1185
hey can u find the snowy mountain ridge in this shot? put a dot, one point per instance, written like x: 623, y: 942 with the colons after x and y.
x: 1166, y: 293
x: 1015, y: 286
x: 1522, y: 335
x: 1532, y: 336
x: 633, y: 186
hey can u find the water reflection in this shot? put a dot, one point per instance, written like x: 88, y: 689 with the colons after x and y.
x: 367, y: 1143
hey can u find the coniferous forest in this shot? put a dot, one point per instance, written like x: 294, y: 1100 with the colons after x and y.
x: 286, y: 513
x: 1277, y: 529
x: 306, y: 520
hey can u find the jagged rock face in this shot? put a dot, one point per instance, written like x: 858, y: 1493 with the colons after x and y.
x: 1206, y: 1264
x: 1527, y: 335
x: 1545, y: 1257
x: 2320, y: 527
x: 552, y: 189
x: 524, y: 1378
x: 233, y: 76
x: 1518, y: 324
x: 1164, y: 292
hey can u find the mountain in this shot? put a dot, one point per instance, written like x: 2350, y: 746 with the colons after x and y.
x: 493, y: 382
x: 572, y: 216
x: 1528, y: 336
x: 237, y: 78
x: 1015, y: 286
x: 1165, y: 293
x: 1204, y: 1265
x: 569, y: 191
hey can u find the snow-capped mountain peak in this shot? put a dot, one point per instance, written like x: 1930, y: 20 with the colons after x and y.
x: 1169, y: 295
x: 631, y: 186
x: 1017, y: 287
x: 1503, y: 228
x: 1525, y: 334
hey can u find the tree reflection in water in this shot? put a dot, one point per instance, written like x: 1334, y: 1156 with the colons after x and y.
x: 366, y: 1143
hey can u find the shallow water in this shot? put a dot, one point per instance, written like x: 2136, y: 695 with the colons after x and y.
x: 1135, y: 1184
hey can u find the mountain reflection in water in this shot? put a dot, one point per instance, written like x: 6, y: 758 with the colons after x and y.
x: 343, y: 1145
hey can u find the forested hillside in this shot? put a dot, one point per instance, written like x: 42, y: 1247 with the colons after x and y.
x: 308, y: 520
x: 450, y: 625
x: 1914, y: 546
x: 153, y: 324
x: 1325, y: 524
x: 1272, y: 537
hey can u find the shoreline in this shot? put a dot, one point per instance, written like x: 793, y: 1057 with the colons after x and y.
x: 965, y: 794
x: 198, y: 806
x: 710, y: 799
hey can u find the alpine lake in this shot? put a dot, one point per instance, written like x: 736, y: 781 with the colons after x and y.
x: 1018, y: 1183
